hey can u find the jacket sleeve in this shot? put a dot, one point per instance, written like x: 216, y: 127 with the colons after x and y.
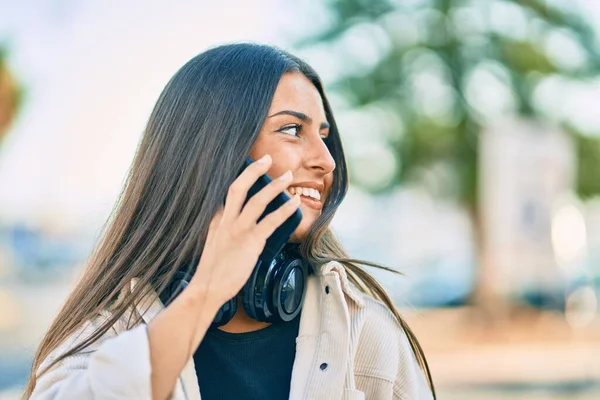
x: 410, y: 383
x: 114, y: 367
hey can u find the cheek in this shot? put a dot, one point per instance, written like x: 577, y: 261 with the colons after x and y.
x: 283, y: 155
x: 282, y: 165
x: 329, y: 179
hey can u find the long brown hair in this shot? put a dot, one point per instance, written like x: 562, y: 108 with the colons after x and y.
x: 198, y: 135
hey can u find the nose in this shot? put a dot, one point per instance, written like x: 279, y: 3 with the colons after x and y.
x: 318, y: 156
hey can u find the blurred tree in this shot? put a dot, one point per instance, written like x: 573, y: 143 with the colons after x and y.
x: 9, y: 96
x: 443, y: 69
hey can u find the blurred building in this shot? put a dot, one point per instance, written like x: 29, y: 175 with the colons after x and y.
x: 527, y: 171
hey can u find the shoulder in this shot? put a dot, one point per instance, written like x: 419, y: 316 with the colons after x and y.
x: 382, y: 341
x: 100, y: 357
x: 81, y: 334
x: 142, y: 311
x: 85, y: 332
x: 377, y: 336
x: 384, y: 351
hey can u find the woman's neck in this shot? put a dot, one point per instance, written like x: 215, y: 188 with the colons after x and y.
x: 241, y: 322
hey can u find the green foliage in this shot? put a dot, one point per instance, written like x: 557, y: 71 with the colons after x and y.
x: 453, y: 42
x: 588, y: 165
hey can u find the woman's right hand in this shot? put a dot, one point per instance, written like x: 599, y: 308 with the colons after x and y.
x: 233, y: 245
x: 235, y: 240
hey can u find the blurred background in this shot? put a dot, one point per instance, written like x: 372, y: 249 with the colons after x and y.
x: 472, y: 128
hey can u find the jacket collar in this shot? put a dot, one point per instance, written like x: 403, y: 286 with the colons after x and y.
x: 150, y: 305
x: 350, y: 291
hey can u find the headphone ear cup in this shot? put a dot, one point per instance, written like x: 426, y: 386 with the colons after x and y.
x: 225, y: 313
x: 289, y: 289
x: 276, y: 287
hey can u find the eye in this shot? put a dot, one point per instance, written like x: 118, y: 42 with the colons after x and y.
x: 292, y: 129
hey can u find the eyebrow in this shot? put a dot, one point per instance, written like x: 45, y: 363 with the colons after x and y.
x: 300, y: 116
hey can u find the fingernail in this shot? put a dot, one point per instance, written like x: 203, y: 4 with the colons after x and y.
x: 286, y: 177
x: 264, y: 159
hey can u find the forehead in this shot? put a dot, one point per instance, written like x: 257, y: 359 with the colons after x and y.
x: 296, y: 92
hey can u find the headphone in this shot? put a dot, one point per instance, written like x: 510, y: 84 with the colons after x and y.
x: 274, y: 292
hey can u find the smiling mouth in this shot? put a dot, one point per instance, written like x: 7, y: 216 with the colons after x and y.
x: 309, y: 196
x: 306, y: 192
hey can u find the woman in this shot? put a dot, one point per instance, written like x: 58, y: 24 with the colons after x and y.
x: 114, y: 338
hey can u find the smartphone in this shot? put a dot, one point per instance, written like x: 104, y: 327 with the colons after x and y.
x: 282, y: 234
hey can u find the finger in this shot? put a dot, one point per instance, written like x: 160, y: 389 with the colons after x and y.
x: 258, y: 203
x: 271, y: 222
x: 239, y: 188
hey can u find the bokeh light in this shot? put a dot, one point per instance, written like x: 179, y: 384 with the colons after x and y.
x: 569, y: 234
x: 581, y: 307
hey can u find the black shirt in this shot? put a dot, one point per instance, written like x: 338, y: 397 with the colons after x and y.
x: 247, y: 366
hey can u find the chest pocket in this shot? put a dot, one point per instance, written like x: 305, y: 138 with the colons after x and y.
x: 351, y: 394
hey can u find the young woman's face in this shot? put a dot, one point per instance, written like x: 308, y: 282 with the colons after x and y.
x: 293, y: 135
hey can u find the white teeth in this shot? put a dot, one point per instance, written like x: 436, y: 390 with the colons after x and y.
x: 316, y: 194
x: 308, y: 192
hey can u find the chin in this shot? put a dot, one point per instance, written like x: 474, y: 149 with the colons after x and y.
x: 299, y: 234
x: 302, y: 230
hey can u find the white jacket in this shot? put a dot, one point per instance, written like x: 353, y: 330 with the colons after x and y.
x: 366, y: 351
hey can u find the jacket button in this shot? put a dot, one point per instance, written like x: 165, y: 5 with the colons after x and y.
x: 327, y: 289
x: 324, y: 367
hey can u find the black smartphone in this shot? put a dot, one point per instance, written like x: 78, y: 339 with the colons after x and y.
x: 282, y: 234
